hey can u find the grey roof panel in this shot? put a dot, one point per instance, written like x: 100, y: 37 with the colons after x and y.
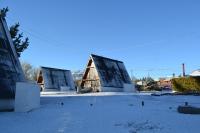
x: 111, y: 72
x: 55, y: 78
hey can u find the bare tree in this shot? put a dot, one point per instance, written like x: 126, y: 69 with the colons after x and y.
x: 30, y: 71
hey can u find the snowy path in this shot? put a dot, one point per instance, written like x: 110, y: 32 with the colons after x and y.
x: 104, y: 114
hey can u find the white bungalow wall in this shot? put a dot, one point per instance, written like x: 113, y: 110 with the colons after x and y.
x: 126, y: 88
x: 111, y: 89
x: 129, y: 88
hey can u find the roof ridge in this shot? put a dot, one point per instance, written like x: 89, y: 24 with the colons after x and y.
x: 54, y: 68
x: 93, y: 55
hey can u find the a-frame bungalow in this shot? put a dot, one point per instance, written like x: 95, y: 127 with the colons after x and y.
x: 54, y: 79
x: 106, y: 75
x: 10, y: 67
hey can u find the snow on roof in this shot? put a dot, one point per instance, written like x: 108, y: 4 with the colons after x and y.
x: 54, y: 78
x: 112, y: 72
x: 195, y: 73
x: 97, y: 56
x: 55, y: 69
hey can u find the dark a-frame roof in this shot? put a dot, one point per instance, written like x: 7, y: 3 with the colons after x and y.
x: 112, y: 73
x: 102, y: 57
x: 10, y: 67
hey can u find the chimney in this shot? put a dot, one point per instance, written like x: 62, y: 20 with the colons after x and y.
x: 183, y: 68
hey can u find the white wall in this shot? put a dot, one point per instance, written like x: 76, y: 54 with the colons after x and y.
x: 27, y: 97
x: 111, y: 89
x: 126, y: 88
x: 129, y: 88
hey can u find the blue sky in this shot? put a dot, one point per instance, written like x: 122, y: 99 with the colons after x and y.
x: 150, y: 36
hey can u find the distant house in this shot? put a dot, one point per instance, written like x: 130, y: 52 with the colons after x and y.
x: 106, y: 75
x: 164, y: 83
x: 55, y: 79
x: 195, y: 73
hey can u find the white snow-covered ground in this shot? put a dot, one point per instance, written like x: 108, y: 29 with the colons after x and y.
x: 104, y: 113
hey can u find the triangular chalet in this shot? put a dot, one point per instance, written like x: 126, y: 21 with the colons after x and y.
x: 10, y: 68
x: 106, y: 75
